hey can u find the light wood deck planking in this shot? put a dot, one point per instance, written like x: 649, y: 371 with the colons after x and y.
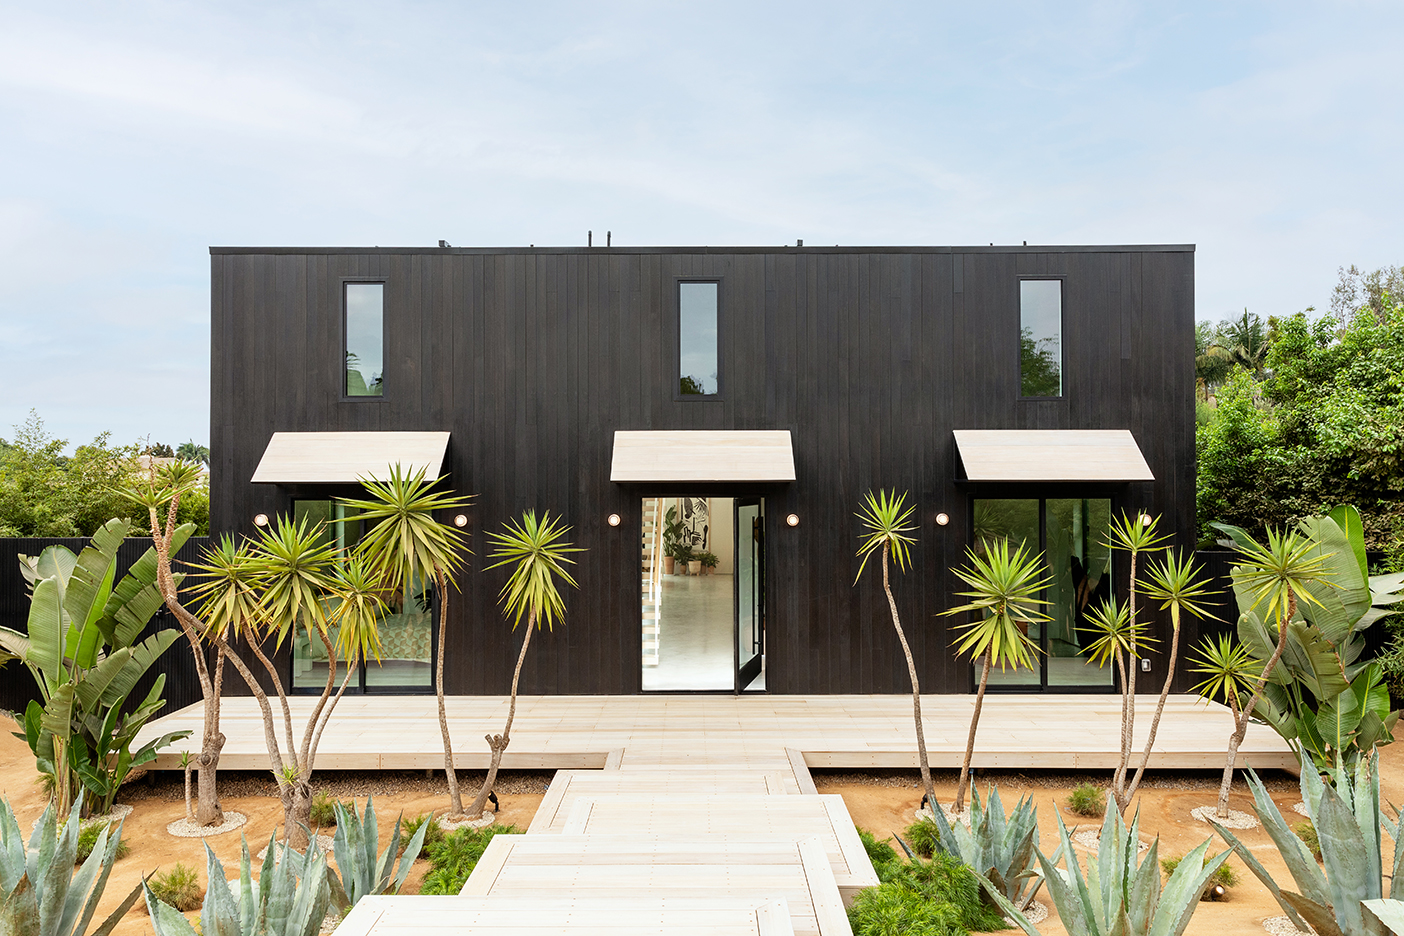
x: 1016, y: 731
x: 569, y: 785
x: 547, y: 916
x: 738, y: 818
x: 624, y: 868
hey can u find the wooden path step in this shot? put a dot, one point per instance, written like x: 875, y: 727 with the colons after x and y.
x: 627, y: 869
x: 734, y: 818
x: 569, y: 785
x: 555, y: 916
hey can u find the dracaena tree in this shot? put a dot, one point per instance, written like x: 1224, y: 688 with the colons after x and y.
x: 1005, y: 582
x: 290, y: 580
x: 157, y: 493
x: 886, y: 523
x: 405, y: 544
x: 537, y: 553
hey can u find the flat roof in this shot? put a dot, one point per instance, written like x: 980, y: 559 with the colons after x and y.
x: 783, y: 248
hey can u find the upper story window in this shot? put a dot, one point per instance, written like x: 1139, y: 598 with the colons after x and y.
x: 698, y: 318
x: 365, y: 339
x: 1041, y: 338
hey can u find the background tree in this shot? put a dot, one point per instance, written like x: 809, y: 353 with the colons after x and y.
x: 191, y: 452
x: 1005, y: 584
x: 886, y: 522
x: 1356, y: 290
x: 537, y: 553
x: 405, y: 544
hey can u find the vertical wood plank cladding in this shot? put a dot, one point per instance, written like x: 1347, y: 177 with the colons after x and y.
x: 532, y: 358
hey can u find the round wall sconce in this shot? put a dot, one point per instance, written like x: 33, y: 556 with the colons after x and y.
x: 792, y: 520
x: 460, y: 521
x: 1145, y: 519
x: 942, y: 519
x: 261, y: 520
x: 613, y: 520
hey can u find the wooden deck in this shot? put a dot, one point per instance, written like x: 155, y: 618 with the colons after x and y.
x: 555, y: 732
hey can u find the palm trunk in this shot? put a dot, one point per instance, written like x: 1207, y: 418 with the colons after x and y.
x: 331, y: 707
x: 455, y: 797
x: 916, y: 686
x: 1241, y: 717
x: 1128, y: 695
x: 1160, y: 705
x: 498, y: 743
x: 208, y: 812
x: 970, y: 740
x: 270, y: 737
x: 189, y: 810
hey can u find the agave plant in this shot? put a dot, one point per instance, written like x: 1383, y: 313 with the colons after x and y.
x: 40, y: 893
x: 1003, y: 849
x: 1121, y: 892
x: 290, y: 897
x: 361, y: 872
x: 1347, y: 817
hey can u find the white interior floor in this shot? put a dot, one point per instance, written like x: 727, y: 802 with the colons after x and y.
x: 695, y: 636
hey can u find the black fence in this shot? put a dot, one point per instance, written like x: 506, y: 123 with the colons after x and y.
x: 17, y: 686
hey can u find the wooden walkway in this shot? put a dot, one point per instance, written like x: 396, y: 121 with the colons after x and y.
x: 556, y: 732
x: 682, y: 815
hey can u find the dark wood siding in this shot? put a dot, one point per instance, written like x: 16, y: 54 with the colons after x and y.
x: 871, y: 357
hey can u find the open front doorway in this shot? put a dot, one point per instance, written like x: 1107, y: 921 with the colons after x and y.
x: 702, y: 609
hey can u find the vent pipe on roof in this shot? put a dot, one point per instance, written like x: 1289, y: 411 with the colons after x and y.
x: 589, y: 238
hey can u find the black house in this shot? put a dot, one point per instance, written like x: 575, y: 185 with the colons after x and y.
x: 731, y: 403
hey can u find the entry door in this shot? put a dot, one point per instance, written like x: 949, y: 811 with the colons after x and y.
x: 750, y: 589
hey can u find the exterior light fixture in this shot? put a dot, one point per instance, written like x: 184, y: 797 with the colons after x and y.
x: 792, y: 520
x: 261, y: 520
x: 613, y: 520
x: 1145, y: 519
x: 942, y: 519
x: 460, y: 521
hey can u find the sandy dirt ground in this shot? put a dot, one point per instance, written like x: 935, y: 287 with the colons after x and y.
x: 881, y: 802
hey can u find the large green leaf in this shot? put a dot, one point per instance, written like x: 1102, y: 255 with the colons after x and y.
x: 1338, y: 719
x: 137, y: 593
x: 85, y: 597
x: 1344, y: 593
x: 1348, y: 519
x: 46, y: 633
x: 1315, y: 661
x: 1389, y: 912
x: 1348, y: 866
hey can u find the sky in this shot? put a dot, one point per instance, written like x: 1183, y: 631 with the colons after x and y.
x: 134, y: 136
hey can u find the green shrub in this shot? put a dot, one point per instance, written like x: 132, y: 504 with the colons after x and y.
x: 87, y: 840
x: 323, y: 814
x: 178, y: 887
x: 453, y: 858
x: 940, y: 897
x: 924, y: 837
x: 434, y: 836
x: 1087, y: 800
x: 878, y: 852
x: 1307, y: 833
x: 1224, y: 876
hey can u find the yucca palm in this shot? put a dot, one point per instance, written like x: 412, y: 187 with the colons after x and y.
x: 886, y: 522
x: 537, y: 553
x: 1134, y: 535
x: 406, y: 544
x: 1277, y: 576
x: 1004, y: 584
x: 157, y: 493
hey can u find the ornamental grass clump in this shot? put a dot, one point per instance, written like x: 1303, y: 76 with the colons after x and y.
x: 178, y: 887
x: 940, y: 897
x: 454, y: 858
x: 1218, y: 885
x: 88, y: 839
x: 434, y: 836
x: 1087, y: 799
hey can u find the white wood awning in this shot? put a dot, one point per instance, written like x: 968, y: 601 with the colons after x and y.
x: 703, y: 455
x: 345, y: 457
x: 1051, y: 455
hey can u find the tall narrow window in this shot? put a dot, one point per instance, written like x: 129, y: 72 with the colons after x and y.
x: 697, y: 339
x: 365, y: 339
x: 1041, y: 338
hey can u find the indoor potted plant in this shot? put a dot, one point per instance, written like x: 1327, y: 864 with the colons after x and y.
x: 709, y: 562
x: 673, y: 532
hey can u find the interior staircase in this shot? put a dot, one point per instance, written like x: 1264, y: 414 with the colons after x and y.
x: 651, y: 586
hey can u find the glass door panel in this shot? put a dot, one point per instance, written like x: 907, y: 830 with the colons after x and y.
x: 750, y: 591
x: 1080, y: 563
x: 1019, y: 522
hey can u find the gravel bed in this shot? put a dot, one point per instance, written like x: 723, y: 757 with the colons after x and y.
x: 1235, y: 820
x: 1283, y: 926
x: 1277, y: 781
x: 168, y: 785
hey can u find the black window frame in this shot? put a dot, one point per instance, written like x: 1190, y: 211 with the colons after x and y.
x: 343, y: 396
x: 678, y: 395
x: 1062, y: 279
